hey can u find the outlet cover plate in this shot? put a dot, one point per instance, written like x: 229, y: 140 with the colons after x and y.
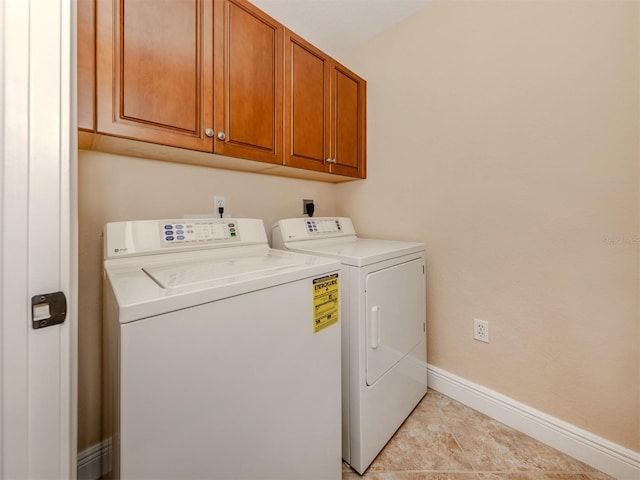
x: 481, y: 330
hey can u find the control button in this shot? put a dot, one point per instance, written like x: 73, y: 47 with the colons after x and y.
x: 179, y: 226
x: 168, y: 227
x: 233, y: 234
x: 179, y: 232
x: 168, y: 232
x: 169, y: 238
x: 232, y: 224
x: 180, y: 237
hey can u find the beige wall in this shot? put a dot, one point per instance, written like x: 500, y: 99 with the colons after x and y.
x: 504, y: 135
x: 114, y: 188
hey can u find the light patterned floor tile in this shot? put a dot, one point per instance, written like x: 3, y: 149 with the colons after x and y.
x: 445, y: 440
x: 532, y: 476
x: 411, y: 476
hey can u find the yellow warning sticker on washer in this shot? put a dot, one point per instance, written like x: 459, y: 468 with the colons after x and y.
x: 325, y: 302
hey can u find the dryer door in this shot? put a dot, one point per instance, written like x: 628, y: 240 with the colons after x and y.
x: 395, y: 315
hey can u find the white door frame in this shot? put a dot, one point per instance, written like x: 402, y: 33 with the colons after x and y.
x: 37, y: 238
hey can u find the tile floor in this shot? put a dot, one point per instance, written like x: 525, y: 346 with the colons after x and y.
x: 445, y: 440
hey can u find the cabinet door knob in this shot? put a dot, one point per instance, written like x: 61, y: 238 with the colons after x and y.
x: 331, y: 160
x: 209, y: 132
x: 221, y: 136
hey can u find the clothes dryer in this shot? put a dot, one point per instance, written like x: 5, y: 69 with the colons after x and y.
x: 383, y: 327
x: 222, y: 356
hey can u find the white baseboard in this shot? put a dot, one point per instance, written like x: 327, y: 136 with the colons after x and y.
x: 95, y: 461
x: 602, y: 454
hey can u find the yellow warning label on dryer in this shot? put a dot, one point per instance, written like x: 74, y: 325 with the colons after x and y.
x: 325, y: 302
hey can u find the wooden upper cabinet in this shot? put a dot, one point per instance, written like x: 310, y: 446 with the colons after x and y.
x: 86, y: 11
x: 306, y: 105
x: 155, y: 71
x: 248, y: 81
x: 217, y: 76
x: 325, y: 112
x: 348, y: 122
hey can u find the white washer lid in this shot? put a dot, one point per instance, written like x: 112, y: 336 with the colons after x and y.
x: 218, y: 269
x: 356, y: 251
x: 157, y: 284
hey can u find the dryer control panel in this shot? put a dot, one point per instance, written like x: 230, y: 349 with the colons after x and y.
x: 323, y: 226
x: 305, y: 228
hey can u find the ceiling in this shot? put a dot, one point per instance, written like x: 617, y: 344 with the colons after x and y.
x: 338, y: 26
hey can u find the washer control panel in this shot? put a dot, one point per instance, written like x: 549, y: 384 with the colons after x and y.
x: 198, y: 232
x: 323, y: 226
x: 149, y: 237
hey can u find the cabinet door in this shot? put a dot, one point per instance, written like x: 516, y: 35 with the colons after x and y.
x: 154, y: 71
x: 306, y: 105
x: 248, y: 79
x: 86, y: 10
x: 348, y: 130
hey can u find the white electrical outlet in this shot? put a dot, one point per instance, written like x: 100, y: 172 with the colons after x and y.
x: 218, y: 202
x: 304, y: 206
x: 481, y: 330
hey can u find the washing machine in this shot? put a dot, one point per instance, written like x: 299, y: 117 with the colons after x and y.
x: 383, y: 327
x: 221, y: 355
